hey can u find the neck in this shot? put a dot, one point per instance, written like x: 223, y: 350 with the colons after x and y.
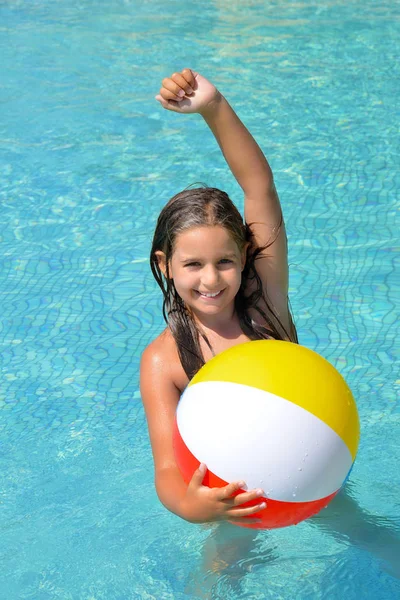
x: 220, y: 324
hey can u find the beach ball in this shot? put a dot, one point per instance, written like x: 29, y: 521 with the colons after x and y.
x: 275, y: 415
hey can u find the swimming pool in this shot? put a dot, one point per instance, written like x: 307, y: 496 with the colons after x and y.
x: 88, y: 158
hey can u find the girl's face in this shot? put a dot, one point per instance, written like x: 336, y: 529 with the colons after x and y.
x: 206, y: 267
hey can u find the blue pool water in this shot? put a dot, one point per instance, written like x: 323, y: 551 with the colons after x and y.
x: 87, y: 160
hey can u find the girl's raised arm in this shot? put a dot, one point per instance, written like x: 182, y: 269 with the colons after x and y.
x: 189, y: 92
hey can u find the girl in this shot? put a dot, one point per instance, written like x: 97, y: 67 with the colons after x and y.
x: 220, y: 288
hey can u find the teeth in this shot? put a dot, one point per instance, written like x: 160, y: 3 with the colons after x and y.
x: 210, y: 295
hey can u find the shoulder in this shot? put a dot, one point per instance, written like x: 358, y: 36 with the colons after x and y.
x: 156, y: 353
x: 160, y: 362
x: 157, y: 356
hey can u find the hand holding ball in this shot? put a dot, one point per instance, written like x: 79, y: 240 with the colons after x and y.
x: 275, y: 415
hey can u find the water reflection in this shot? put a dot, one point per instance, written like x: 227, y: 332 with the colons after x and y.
x: 230, y: 552
x: 347, y: 522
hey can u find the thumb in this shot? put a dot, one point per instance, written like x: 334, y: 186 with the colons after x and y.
x: 170, y: 104
x: 160, y: 99
x: 198, y: 475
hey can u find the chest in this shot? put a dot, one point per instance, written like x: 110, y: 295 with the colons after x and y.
x: 218, y: 345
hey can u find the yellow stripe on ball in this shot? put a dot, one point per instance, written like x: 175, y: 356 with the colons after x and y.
x: 296, y: 374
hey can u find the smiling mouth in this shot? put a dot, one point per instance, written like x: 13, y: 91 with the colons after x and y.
x: 209, y: 295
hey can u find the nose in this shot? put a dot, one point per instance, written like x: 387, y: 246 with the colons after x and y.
x: 210, y: 277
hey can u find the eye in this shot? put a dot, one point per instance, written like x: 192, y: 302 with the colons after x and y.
x: 226, y: 261
x: 192, y: 264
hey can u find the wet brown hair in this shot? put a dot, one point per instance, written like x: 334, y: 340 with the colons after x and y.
x: 197, y: 207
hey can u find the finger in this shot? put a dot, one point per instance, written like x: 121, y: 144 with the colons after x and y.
x: 183, y: 84
x: 168, y: 95
x: 247, y: 497
x: 244, y: 522
x: 171, y: 90
x: 186, y: 80
x: 189, y: 75
x: 244, y: 512
x: 228, y: 490
x: 198, y: 476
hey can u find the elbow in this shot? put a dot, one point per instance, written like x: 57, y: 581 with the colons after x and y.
x: 171, y: 493
x: 175, y: 506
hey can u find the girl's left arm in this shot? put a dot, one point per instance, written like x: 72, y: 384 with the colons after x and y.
x: 189, y: 92
x: 262, y: 209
